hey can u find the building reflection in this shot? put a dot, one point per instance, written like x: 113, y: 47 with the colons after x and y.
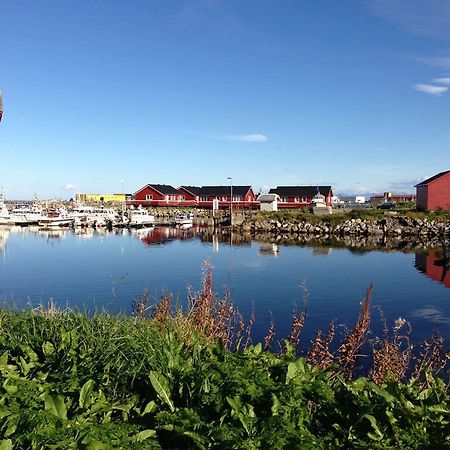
x: 435, y: 265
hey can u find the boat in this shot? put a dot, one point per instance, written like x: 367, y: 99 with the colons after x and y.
x: 184, y: 220
x: 5, y: 217
x: 56, y: 218
x: 90, y: 216
x: 139, y: 217
x: 25, y: 214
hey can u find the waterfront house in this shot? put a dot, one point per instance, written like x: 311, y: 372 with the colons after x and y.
x: 301, y: 196
x: 434, y: 193
x: 204, y: 196
x: 158, y: 195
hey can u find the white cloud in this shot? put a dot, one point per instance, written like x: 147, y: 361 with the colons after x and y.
x: 429, y: 18
x: 430, y: 89
x: 444, y: 80
x: 246, y: 138
x: 70, y: 187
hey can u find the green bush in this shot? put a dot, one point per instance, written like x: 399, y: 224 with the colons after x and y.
x: 73, y: 381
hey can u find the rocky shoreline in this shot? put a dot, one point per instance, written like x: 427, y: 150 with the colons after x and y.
x: 387, y: 227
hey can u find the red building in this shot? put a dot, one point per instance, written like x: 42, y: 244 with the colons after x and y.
x: 243, y: 196
x: 434, y: 193
x: 301, y: 196
x: 158, y: 195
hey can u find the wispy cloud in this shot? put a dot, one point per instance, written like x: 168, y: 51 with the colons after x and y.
x: 245, y: 138
x: 430, y: 89
x: 70, y: 187
x: 444, y: 80
x: 407, y: 185
x: 429, y: 19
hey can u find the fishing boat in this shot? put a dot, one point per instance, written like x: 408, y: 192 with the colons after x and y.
x: 56, y: 218
x: 97, y: 217
x: 139, y: 217
x: 5, y: 217
x: 25, y: 214
x: 184, y: 220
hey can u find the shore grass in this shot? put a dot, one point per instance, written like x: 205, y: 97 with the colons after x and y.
x: 174, y: 378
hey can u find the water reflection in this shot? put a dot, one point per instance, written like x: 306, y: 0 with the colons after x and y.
x: 435, y: 264
x: 268, y: 250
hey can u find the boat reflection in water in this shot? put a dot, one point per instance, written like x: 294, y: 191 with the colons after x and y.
x: 435, y: 264
x: 267, y: 249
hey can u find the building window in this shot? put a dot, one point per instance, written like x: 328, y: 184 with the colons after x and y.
x: 224, y: 198
x: 237, y: 198
x: 149, y: 197
x: 203, y: 199
x: 284, y: 199
x: 304, y: 200
x: 296, y: 199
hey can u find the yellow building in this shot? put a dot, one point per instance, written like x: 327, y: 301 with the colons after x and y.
x: 100, y: 198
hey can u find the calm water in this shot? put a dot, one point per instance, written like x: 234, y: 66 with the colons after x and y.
x: 110, y: 269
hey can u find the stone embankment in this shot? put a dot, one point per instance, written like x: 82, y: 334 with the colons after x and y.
x: 396, y: 226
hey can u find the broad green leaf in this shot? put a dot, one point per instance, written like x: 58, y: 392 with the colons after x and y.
x: 150, y: 408
x: 144, y: 435
x: 234, y: 403
x: 294, y: 369
x: 86, y: 394
x: 276, y: 405
x: 162, y: 388
x: 4, y: 359
x: 48, y: 348
x: 6, y: 444
x: 29, y: 352
x: 383, y: 393
x: 373, y: 422
x: 55, y: 404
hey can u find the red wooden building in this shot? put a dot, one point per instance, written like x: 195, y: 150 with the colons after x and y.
x: 301, y: 196
x: 157, y: 195
x: 243, y: 196
x: 434, y: 193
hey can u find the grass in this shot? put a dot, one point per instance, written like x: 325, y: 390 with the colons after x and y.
x: 340, y: 216
x: 167, y: 377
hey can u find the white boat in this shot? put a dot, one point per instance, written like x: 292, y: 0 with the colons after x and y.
x: 56, y: 218
x: 184, y: 220
x: 139, y: 217
x: 90, y: 216
x: 5, y: 217
x: 24, y: 214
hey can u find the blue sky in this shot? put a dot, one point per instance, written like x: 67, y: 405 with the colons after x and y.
x: 268, y: 92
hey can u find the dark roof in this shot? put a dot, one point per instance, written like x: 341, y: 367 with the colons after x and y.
x: 194, y: 190
x: 301, y: 191
x: 429, y: 180
x: 164, y: 189
x: 223, y: 190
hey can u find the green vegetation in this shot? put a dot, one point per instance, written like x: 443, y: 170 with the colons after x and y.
x: 190, y: 379
x: 340, y: 216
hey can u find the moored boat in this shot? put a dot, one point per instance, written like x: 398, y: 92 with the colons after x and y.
x: 184, y: 220
x: 56, y: 218
x: 139, y: 217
